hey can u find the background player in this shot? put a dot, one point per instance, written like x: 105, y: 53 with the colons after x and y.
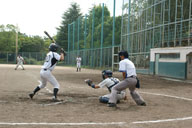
x: 20, y: 62
x: 45, y: 73
x: 108, y: 81
x: 129, y: 81
x: 78, y: 59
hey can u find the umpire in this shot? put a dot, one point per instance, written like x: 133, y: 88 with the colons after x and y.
x: 129, y: 81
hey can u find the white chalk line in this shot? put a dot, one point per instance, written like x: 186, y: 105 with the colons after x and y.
x: 164, y: 120
x: 65, y: 124
x: 56, y: 103
x: 177, y: 97
x: 160, y: 121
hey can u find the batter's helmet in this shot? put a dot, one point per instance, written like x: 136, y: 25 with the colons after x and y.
x: 108, y: 73
x: 53, y: 47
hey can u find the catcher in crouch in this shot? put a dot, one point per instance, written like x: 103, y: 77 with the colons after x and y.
x: 109, y: 82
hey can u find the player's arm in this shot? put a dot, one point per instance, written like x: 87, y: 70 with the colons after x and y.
x: 62, y: 54
x: 61, y: 57
x: 23, y: 60
x: 95, y: 86
x: 122, y: 68
x: 124, y: 75
x: 90, y: 83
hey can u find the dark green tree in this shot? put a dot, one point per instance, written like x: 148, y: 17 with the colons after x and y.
x: 68, y: 17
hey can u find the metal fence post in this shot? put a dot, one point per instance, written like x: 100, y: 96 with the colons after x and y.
x: 101, y: 51
x: 85, y: 42
x: 92, y: 38
x: 68, y: 42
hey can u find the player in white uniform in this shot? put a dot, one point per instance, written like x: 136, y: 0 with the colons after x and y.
x: 109, y: 82
x: 45, y: 73
x: 78, y: 60
x: 20, y: 62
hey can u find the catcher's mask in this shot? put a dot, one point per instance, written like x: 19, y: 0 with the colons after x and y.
x: 108, y: 73
x: 123, y: 53
x: 53, y: 47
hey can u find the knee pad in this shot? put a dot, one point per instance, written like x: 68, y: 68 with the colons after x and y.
x: 104, y: 99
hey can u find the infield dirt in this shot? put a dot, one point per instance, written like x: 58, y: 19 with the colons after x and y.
x: 80, y: 103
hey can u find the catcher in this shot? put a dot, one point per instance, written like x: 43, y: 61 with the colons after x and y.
x: 50, y: 62
x: 109, y: 82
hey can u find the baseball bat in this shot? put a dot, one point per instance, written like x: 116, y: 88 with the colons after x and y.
x: 46, y: 33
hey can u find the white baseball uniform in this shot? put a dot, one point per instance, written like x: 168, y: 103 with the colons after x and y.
x: 109, y: 83
x: 45, y: 73
x: 20, y: 61
x: 78, y: 59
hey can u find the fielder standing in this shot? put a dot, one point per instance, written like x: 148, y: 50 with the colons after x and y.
x: 50, y: 62
x: 78, y: 60
x: 20, y: 62
x: 108, y: 81
x: 129, y: 81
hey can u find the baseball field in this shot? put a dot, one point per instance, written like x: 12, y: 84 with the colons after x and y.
x: 168, y: 102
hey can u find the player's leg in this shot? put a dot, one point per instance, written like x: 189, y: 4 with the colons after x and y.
x: 17, y: 66
x: 43, y: 83
x: 121, y: 96
x: 104, y: 99
x: 77, y: 67
x: 55, y: 84
x: 114, y: 93
x: 22, y: 66
x: 136, y: 97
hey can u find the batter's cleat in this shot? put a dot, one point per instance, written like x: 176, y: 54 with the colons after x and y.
x: 143, y: 104
x: 111, y: 105
x: 31, y: 95
x: 54, y: 99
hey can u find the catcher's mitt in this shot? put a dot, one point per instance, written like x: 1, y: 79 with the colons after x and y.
x: 88, y: 81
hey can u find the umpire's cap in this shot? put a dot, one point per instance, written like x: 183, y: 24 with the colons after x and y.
x: 108, y: 73
x: 124, y: 53
x: 53, y: 47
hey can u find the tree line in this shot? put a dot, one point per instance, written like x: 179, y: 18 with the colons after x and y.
x: 25, y: 43
x: 36, y: 43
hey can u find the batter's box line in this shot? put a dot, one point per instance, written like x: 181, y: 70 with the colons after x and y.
x: 55, y: 103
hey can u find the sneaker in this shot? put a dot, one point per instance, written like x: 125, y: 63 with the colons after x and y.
x: 111, y: 105
x: 31, y: 95
x: 143, y: 104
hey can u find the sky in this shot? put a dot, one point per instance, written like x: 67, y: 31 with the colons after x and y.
x: 33, y: 17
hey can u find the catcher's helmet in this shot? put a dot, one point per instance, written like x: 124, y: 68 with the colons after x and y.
x: 108, y: 73
x: 53, y: 47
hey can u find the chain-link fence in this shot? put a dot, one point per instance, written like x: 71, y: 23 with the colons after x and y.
x: 93, y: 35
